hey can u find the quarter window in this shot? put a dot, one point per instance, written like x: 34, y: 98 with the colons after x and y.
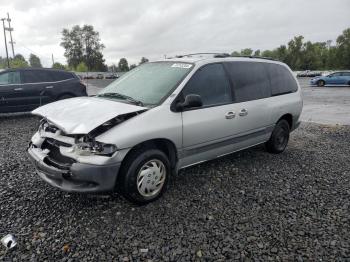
x: 250, y: 80
x: 211, y: 83
x: 61, y: 75
x: 282, y: 81
x: 10, y: 78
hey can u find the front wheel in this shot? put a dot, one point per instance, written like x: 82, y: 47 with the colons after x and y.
x: 320, y: 83
x: 279, y: 138
x: 144, y: 176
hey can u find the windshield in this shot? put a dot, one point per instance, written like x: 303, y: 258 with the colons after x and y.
x: 149, y: 83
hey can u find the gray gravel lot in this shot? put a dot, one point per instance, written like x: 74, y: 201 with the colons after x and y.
x: 292, y: 206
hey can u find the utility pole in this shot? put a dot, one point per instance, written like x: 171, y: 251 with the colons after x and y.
x: 10, y: 29
x: 7, y: 54
x: 53, y: 61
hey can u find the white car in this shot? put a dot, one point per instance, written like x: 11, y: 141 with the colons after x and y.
x: 161, y: 117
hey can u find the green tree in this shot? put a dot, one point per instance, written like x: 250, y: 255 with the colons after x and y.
x: 83, y: 44
x: 247, y: 52
x: 81, y: 67
x: 343, y: 49
x: 269, y: 54
x: 143, y: 60
x: 123, y: 65
x: 257, y: 52
x: 58, y: 65
x: 34, y: 61
x: 281, y: 53
x: 3, y: 62
x: 18, y: 62
x: 295, y: 48
x: 300, y: 55
x: 235, y: 53
x: 132, y: 66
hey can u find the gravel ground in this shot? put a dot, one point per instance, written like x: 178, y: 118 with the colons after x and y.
x: 293, y: 206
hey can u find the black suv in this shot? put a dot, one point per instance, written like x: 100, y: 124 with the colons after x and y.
x: 25, y: 89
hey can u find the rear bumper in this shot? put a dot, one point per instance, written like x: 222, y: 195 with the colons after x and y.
x: 82, y: 178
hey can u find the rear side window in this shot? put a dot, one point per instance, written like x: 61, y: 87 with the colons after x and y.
x: 61, y: 75
x: 282, y: 81
x: 250, y: 80
x: 211, y: 83
x: 36, y: 76
x: 10, y: 78
x: 346, y: 74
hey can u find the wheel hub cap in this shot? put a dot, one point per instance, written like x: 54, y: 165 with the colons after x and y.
x: 151, y: 178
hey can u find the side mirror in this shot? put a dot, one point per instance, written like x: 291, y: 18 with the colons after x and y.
x: 191, y: 101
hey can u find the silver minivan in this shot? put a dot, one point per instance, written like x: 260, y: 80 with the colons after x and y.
x: 161, y: 117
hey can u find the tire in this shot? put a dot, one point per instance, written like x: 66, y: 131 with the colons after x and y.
x: 320, y: 83
x: 156, y: 170
x: 64, y: 97
x: 279, y: 138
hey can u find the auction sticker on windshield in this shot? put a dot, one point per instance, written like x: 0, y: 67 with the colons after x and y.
x: 182, y: 65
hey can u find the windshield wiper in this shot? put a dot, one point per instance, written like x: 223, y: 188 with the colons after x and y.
x: 121, y: 96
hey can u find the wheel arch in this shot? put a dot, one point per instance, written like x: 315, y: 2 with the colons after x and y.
x: 289, y: 118
x: 162, y: 144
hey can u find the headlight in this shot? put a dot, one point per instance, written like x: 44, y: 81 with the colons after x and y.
x: 95, y: 148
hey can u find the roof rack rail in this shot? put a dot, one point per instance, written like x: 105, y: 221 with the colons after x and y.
x: 223, y: 55
x: 258, y: 57
x: 216, y: 55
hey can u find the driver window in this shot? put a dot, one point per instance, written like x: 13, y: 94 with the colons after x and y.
x: 211, y: 83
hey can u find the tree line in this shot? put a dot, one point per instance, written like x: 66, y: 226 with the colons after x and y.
x: 305, y: 55
x: 83, y: 51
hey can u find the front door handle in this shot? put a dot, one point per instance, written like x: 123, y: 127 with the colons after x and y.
x: 243, y: 112
x: 48, y: 87
x: 230, y: 115
x: 18, y: 89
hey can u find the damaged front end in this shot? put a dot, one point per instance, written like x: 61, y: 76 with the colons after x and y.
x: 76, y: 162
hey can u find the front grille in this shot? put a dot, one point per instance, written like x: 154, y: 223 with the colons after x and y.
x: 54, y: 157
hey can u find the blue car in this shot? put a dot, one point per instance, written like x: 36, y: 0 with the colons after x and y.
x: 337, y: 78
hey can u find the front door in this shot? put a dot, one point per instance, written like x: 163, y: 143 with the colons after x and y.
x: 207, y: 130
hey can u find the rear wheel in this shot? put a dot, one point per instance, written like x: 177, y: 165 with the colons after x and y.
x: 320, y: 83
x: 144, y: 176
x: 279, y: 138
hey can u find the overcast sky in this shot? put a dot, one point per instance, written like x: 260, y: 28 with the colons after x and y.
x: 152, y: 28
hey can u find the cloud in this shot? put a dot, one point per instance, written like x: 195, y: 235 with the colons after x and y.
x: 151, y: 28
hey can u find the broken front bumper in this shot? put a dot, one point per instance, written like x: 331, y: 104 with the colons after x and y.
x: 79, y: 177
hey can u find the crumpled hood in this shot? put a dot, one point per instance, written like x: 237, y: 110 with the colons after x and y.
x: 81, y: 115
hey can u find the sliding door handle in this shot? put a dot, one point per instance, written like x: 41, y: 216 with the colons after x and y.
x: 18, y: 89
x: 230, y: 115
x: 243, y: 112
